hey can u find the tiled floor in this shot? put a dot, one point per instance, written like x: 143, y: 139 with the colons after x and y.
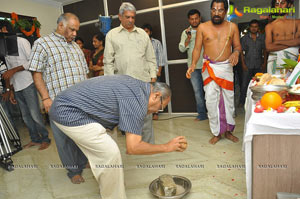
x: 218, y: 171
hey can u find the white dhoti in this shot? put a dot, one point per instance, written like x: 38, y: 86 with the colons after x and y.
x: 275, y: 59
x: 219, y: 95
x: 103, y: 155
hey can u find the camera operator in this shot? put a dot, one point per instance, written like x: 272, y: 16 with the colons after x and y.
x: 187, y: 44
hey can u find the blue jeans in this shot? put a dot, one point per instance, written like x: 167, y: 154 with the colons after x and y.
x: 31, y: 114
x: 197, y: 83
x: 69, y: 153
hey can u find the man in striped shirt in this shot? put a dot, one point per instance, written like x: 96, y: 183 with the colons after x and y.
x: 57, y: 63
x: 84, y: 112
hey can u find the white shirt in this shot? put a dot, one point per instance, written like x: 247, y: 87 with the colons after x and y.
x: 129, y: 53
x: 21, y: 79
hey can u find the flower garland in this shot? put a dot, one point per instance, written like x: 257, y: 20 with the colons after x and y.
x: 22, y: 24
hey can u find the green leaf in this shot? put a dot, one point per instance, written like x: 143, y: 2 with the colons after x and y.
x: 286, y: 66
x: 290, y: 62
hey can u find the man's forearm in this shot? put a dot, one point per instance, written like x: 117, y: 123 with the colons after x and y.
x: 195, y: 56
x: 18, y: 68
x: 40, y: 85
x: 275, y: 47
x: 187, y: 42
x: 7, y: 84
x: 290, y: 43
x: 181, y: 46
x: 144, y: 148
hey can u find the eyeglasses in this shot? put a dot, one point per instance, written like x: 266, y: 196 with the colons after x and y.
x: 220, y: 11
x: 162, y: 107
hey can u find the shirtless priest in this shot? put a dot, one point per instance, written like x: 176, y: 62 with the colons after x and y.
x: 222, y: 48
x: 282, y: 36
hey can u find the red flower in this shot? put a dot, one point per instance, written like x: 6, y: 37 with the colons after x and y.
x: 14, y: 16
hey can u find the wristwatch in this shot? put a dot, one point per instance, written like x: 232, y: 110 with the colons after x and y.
x: 7, y: 89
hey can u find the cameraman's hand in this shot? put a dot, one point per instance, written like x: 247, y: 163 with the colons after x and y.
x: 188, y: 31
x: 5, y: 96
x: 12, y: 98
x: 189, y: 36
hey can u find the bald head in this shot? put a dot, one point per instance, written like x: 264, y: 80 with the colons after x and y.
x: 65, y: 17
x: 67, y: 26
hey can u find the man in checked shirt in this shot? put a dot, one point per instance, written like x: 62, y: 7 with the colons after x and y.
x: 57, y: 63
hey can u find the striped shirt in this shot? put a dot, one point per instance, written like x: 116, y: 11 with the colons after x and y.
x: 159, y: 54
x: 109, y: 100
x: 62, y: 63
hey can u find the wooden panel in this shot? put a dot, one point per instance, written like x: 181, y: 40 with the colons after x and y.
x: 183, y: 98
x: 86, y: 33
x: 176, y: 21
x: 114, y: 5
x: 86, y: 10
x: 276, y: 165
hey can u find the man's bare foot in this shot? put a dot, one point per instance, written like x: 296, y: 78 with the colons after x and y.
x: 30, y: 144
x: 77, y: 179
x: 155, y: 117
x: 214, y: 139
x: 44, y: 145
x: 196, y: 119
x: 231, y: 137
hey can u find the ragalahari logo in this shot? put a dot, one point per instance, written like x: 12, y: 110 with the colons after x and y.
x: 233, y: 13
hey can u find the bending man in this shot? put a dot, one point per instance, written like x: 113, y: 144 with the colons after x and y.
x: 84, y: 112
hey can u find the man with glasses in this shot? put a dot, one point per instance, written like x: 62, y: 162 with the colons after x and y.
x: 84, y: 111
x: 187, y: 43
x: 57, y: 63
x: 128, y: 51
x: 222, y: 47
x: 282, y: 36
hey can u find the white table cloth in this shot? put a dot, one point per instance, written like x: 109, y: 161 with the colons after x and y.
x: 272, y: 123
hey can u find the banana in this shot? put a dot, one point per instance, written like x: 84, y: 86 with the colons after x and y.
x: 292, y: 104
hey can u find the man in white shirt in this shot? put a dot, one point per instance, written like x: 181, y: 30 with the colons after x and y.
x: 128, y: 51
x: 5, y: 90
x: 25, y: 91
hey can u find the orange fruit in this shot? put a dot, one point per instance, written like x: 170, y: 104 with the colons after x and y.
x: 271, y: 100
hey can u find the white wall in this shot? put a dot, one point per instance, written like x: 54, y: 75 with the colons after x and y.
x: 46, y: 14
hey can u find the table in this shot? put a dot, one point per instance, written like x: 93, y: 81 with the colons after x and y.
x: 271, y: 136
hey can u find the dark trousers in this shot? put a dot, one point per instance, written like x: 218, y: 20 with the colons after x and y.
x: 247, y: 76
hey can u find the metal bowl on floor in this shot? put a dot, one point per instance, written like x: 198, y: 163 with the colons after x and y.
x: 183, y: 184
x: 259, y: 90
